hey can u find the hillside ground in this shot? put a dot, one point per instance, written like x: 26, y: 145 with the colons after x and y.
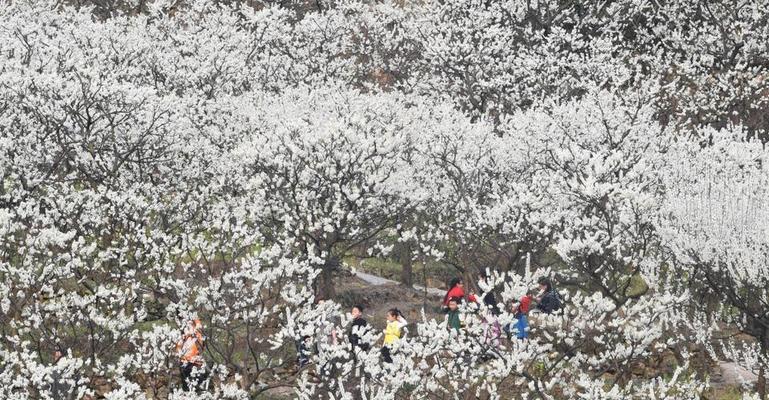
x: 377, y: 299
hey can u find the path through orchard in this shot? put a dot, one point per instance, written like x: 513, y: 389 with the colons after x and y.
x: 379, y: 281
x: 729, y: 374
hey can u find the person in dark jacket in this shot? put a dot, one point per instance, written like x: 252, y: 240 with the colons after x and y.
x: 548, y: 299
x: 358, y: 328
x: 60, y: 389
x: 491, y: 303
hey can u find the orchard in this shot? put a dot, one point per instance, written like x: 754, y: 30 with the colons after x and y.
x: 189, y: 187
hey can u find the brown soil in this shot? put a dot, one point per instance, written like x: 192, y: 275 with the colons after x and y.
x: 376, y: 300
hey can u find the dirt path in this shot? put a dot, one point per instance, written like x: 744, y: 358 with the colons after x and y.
x: 379, y: 281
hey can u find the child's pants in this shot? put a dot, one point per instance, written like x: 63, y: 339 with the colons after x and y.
x: 522, y: 326
x: 386, y: 354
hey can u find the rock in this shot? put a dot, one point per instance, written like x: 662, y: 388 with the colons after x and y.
x: 734, y: 374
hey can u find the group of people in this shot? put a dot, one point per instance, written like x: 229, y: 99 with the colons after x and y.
x: 547, y: 301
x: 191, y: 344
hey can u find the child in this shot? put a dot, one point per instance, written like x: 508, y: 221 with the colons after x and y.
x: 491, y: 328
x: 453, y: 317
x: 521, y: 311
x: 392, y: 333
x: 358, y: 328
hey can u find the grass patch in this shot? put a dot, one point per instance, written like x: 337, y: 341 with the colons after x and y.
x: 725, y: 393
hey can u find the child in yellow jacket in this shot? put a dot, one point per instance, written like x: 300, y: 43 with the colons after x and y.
x: 393, y: 332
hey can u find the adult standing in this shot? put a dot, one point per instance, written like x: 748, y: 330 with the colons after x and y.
x: 453, y: 316
x: 492, y: 330
x: 548, y: 299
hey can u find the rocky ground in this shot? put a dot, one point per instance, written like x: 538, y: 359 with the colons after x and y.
x: 377, y: 295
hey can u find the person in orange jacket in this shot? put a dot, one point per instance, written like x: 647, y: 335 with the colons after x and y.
x: 190, y: 351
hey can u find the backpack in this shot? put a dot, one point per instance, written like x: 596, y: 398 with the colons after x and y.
x: 550, y: 302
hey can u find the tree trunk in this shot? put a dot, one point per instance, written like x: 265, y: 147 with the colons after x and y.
x: 407, y: 265
x: 326, y: 282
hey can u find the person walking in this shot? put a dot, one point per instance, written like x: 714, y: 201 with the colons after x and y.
x: 548, y: 299
x: 189, y: 348
x: 521, y: 313
x: 453, y: 316
x: 358, y: 329
x: 457, y: 291
x: 393, y: 332
x: 60, y: 388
